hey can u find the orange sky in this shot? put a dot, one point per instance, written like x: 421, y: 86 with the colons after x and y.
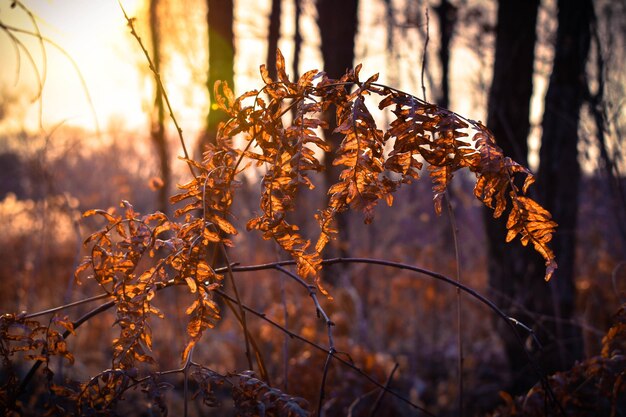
x: 94, y: 34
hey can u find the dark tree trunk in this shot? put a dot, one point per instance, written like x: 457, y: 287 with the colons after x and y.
x: 157, y: 130
x: 447, y: 14
x: 337, y: 21
x: 273, y: 37
x: 297, y: 40
x: 221, y: 60
x: 559, y: 171
x: 220, y: 19
x: 515, y: 272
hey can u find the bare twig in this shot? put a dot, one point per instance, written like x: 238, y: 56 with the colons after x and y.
x: 318, y: 307
x: 66, y: 306
x: 242, y: 315
x: 459, y: 321
x: 20, y: 45
x: 540, y: 374
x: 44, y: 69
x: 349, y: 364
x: 186, y: 382
x: 379, y: 399
x: 283, y: 298
x: 320, y: 403
x: 329, y: 324
x: 424, y: 55
x: 8, y: 29
x: 157, y: 77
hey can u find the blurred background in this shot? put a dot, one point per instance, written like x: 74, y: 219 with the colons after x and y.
x: 83, y: 125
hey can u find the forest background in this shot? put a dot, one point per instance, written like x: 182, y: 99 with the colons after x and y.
x: 84, y: 125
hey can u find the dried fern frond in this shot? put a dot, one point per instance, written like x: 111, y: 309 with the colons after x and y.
x: 422, y: 134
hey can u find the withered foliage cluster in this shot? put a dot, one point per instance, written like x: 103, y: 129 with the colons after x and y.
x: 421, y: 133
x: 132, y: 257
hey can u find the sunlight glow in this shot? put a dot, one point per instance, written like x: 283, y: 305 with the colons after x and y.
x: 95, y: 36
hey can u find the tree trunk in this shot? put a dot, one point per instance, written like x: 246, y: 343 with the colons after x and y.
x: 220, y: 19
x: 297, y: 39
x: 221, y: 61
x: 515, y: 272
x: 447, y: 14
x: 273, y: 37
x: 559, y: 171
x: 157, y: 130
x: 337, y: 21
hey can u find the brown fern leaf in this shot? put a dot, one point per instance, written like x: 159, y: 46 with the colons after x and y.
x: 288, y: 153
x: 494, y: 172
x: 446, y: 153
x: 203, y: 313
x: 534, y: 224
x: 118, y: 250
x: 361, y: 152
x: 495, y: 185
x: 251, y: 394
x: 211, y: 193
x: 411, y: 130
x: 421, y: 132
x: 103, y: 391
x: 362, y: 183
x: 36, y: 340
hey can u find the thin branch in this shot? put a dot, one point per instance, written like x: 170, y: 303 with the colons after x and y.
x: 424, y: 55
x: 459, y: 321
x: 44, y: 57
x: 278, y: 266
x: 320, y: 313
x: 379, y: 399
x: 398, y: 265
x: 283, y: 299
x: 66, y: 306
x: 320, y: 403
x: 318, y: 307
x: 157, y: 77
x: 186, y: 382
x: 242, y: 313
x: 76, y: 324
x: 273, y: 265
x: 20, y: 45
x: 316, y: 346
x: 512, y: 324
x: 8, y: 28
x: 619, y: 293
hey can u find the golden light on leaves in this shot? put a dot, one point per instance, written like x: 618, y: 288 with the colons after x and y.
x: 421, y: 133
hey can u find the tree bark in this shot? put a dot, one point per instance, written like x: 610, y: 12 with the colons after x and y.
x: 447, y: 14
x: 273, y: 37
x: 515, y: 272
x: 220, y: 19
x: 157, y: 130
x: 297, y: 39
x: 221, y: 61
x: 337, y: 21
x: 559, y: 171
